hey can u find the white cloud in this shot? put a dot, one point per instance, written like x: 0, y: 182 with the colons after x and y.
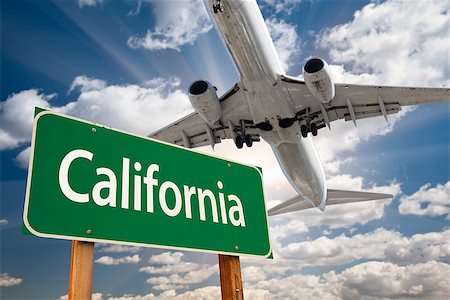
x: 166, y: 258
x: 286, y: 40
x: 117, y: 248
x: 87, y: 84
x: 191, y: 277
x: 204, y: 293
x: 16, y: 117
x: 82, y: 3
x: 427, y: 201
x: 379, y: 280
x: 6, y: 280
x: 180, y: 267
x: 3, y: 222
x: 380, y: 244
x: 125, y: 107
x: 23, y: 159
x: 177, y: 274
x: 282, y: 6
x: 392, y: 38
x: 95, y: 296
x: 109, y: 261
x: 178, y: 23
x: 371, y: 280
x: 253, y: 274
x: 420, y: 248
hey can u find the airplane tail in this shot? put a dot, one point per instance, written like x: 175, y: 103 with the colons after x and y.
x: 333, y: 197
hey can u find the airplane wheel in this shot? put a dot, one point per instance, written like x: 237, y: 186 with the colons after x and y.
x: 314, y: 129
x: 248, y: 140
x: 239, y: 142
x: 304, y: 131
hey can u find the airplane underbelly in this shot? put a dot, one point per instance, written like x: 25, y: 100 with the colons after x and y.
x: 302, y: 167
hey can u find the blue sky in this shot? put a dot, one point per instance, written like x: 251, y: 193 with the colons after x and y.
x: 128, y: 64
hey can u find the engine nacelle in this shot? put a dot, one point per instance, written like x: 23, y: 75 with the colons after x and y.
x: 204, y: 99
x: 318, y: 80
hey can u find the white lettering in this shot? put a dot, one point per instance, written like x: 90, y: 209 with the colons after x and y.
x: 64, y: 175
x: 223, y: 211
x: 111, y: 185
x: 125, y: 182
x: 150, y: 182
x: 188, y: 193
x: 105, y: 192
x: 163, y: 201
x: 201, y: 204
x: 240, y: 221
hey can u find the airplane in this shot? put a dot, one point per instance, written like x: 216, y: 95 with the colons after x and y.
x: 283, y: 110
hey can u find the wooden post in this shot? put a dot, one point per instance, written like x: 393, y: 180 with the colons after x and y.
x: 230, y: 277
x: 81, y: 266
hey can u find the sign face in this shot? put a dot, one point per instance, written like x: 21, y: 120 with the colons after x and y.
x: 92, y: 183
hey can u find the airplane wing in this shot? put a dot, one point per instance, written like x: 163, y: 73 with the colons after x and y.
x: 334, y: 197
x: 192, y: 131
x: 353, y: 102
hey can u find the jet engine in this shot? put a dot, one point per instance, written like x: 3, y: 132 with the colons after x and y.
x: 204, y: 99
x: 318, y: 80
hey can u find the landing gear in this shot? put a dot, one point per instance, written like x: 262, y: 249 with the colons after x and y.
x: 241, y: 139
x: 248, y: 140
x: 311, y: 128
x: 304, y: 131
x: 240, y: 135
x: 239, y: 142
x: 217, y: 7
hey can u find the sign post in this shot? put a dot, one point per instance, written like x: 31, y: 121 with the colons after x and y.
x: 230, y: 277
x: 81, y: 267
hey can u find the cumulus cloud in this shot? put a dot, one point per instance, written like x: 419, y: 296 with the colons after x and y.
x: 427, y: 201
x: 281, y: 6
x: 178, y: 23
x: 286, y: 40
x: 166, y: 258
x: 204, y: 293
x: 371, y: 280
x: 87, y: 84
x: 82, y: 3
x: 109, y: 261
x: 16, y: 117
x: 181, y: 267
x: 95, y: 296
x: 23, y: 158
x: 412, y: 35
x: 387, y: 280
x: 380, y: 244
x: 6, y: 280
x: 125, y: 107
x: 181, y: 281
x: 117, y: 248
x: 176, y: 273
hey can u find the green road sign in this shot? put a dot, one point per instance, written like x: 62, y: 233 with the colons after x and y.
x: 93, y: 183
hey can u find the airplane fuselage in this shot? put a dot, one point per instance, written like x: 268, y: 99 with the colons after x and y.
x: 244, y: 32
